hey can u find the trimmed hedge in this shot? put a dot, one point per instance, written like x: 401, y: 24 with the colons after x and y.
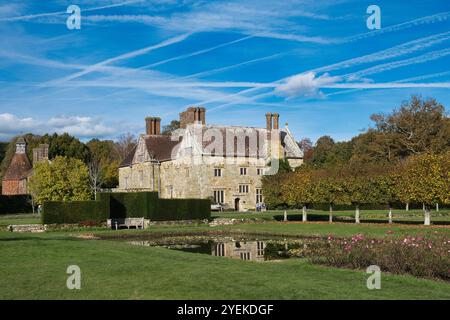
x: 131, y: 204
x: 15, y: 204
x: 74, y: 211
x: 126, y: 205
x: 182, y: 209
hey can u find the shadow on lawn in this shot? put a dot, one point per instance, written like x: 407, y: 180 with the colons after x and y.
x: 34, y: 237
x: 320, y: 217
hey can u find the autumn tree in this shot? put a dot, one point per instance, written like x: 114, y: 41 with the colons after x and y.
x: 361, y: 183
x: 418, y: 126
x: 307, y: 148
x: 273, y: 195
x: 329, y: 188
x: 63, y: 179
x: 104, y: 162
x: 429, y: 176
x: 124, y: 145
x: 297, y: 190
x: 385, y: 184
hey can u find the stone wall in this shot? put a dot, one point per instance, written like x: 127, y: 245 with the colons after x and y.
x: 26, y: 228
x: 139, y: 176
x: 295, y: 163
x: 194, y: 178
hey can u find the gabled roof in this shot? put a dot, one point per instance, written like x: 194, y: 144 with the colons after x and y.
x: 19, y: 167
x: 257, y: 144
x: 162, y: 147
x: 159, y: 148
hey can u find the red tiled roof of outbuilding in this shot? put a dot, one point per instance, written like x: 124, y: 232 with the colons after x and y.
x: 19, y: 167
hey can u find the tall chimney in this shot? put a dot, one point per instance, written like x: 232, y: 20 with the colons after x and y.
x: 276, y: 117
x: 192, y: 115
x: 153, y: 126
x: 157, y: 126
x: 202, y: 115
x: 268, y: 121
x: 149, y: 125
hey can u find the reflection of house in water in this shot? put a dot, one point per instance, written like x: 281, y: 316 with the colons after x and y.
x: 244, y: 250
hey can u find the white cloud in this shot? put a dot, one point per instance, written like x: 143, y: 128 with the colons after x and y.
x: 80, y: 126
x: 305, y: 84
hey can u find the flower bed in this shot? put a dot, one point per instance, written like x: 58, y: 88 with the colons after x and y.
x: 418, y: 256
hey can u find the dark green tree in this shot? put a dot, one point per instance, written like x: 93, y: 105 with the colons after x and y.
x: 172, y: 126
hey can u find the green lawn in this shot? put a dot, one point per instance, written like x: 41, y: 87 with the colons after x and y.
x: 402, y: 216
x: 339, y: 229
x: 34, y: 267
x: 26, y: 218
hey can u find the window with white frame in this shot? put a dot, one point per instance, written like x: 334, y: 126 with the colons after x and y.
x: 259, y: 171
x: 245, y: 255
x: 217, y: 172
x: 219, y: 196
x: 220, y: 250
x: 243, y: 188
x: 260, y: 248
x: 259, y: 196
x: 243, y: 171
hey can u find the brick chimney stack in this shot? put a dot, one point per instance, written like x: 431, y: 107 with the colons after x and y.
x: 152, y: 126
x: 192, y: 115
x: 276, y: 118
x: 268, y: 121
x: 157, y: 124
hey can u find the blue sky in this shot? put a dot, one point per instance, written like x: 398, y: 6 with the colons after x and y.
x: 314, y: 62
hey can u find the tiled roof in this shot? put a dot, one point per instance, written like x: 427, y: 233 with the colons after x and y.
x: 19, y: 167
x: 159, y: 147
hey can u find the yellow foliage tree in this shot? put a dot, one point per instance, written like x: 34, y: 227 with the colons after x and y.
x: 62, y: 179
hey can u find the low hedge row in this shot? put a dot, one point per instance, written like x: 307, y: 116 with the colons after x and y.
x: 15, y: 204
x: 126, y: 205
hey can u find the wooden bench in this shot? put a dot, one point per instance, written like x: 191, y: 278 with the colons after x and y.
x: 117, y: 223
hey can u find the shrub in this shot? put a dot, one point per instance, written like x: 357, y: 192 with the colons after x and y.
x: 418, y: 256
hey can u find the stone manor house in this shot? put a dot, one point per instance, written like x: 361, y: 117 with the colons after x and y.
x: 225, y: 163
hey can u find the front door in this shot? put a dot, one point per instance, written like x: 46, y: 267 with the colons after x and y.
x: 236, y: 204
